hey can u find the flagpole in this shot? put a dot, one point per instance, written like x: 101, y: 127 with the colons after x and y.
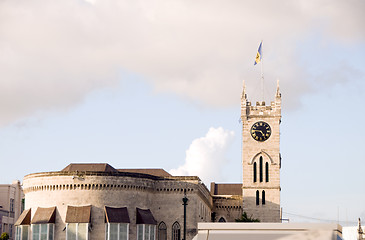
x: 262, y: 72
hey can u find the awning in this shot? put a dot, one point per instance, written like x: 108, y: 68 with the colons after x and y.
x: 44, y: 215
x: 24, y: 218
x: 144, y: 216
x: 116, y: 215
x: 78, y: 214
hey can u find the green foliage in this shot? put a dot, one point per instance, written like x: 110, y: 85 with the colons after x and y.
x: 245, y: 218
x: 4, y: 236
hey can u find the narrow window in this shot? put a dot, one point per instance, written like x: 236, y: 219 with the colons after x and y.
x: 263, y: 197
x: 140, y: 231
x: 77, y: 231
x: 257, y: 197
x: 254, y: 172
x: 35, y: 231
x: 162, y: 231
x: 267, y: 172
x: 146, y: 232
x: 261, y: 176
x: 176, y: 231
x: 39, y: 232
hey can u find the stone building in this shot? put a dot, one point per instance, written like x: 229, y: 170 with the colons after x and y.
x: 97, y: 201
x: 11, y: 206
x: 88, y: 201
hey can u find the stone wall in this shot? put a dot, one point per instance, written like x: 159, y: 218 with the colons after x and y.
x: 162, y: 196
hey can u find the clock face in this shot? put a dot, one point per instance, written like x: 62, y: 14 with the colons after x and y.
x: 260, y: 131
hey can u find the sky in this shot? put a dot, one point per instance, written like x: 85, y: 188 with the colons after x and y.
x: 157, y: 84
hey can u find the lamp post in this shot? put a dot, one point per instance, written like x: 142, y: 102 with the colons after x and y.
x: 185, y: 203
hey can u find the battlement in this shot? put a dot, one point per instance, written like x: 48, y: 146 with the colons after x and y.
x: 261, y: 109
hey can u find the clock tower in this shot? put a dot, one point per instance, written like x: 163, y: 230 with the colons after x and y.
x: 261, y: 159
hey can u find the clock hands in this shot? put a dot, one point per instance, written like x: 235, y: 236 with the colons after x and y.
x: 258, y: 131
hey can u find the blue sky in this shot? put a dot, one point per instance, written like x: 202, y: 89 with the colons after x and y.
x: 155, y: 84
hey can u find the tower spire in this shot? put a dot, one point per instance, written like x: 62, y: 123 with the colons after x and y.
x: 278, y: 94
x: 244, y: 95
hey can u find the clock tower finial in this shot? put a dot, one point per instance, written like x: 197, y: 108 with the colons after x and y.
x: 278, y: 94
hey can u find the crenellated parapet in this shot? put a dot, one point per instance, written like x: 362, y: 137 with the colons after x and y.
x: 260, y: 110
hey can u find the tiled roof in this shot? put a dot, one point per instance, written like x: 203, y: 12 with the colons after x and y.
x: 89, y: 167
x: 24, y: 218
x: 159, y: 172
x: 78, y: 214
x: 44, y: 215
x: 226, y: 189
x: 116, y: 215
x: 144, y: 216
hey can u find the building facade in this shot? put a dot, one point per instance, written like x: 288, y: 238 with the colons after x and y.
x: 11, y: 206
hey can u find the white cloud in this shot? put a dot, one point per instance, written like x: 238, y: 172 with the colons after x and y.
x: 206, y: 156
x: 53, y: 53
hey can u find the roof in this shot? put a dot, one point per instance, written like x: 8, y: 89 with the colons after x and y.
x: 24, y: 218
x: 268, y: 231
x: 116, y: 215
x: 44, y: 215
x: 144, y: 216
x: 89, y: 167
x: 226, y: 189
x: 78, y: 214
x: 159, y: 172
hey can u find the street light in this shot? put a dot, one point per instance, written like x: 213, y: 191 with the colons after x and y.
x: 185, y: 203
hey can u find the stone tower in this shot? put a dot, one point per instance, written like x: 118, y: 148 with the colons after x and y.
x: 261, y: 159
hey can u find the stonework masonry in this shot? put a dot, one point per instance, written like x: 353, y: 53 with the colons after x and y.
x: 261, y: 196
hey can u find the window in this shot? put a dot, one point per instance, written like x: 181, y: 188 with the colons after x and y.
x: 267, y: 172
x: 261, y: 178
x: 222, y: 219
x: 145, y: 232
x: 162, y: 231
x: 18, y: 233
x: 263, y: 197
x: 23, y: 205
x: 11, y: 230
x: 257, y: 197
x: 176, y: 231
x: 254, y: 172
x: 21, y: 232
x: 11, y: 204
x: 42, y: 232
x: 77, y: 231
x: 117, y: 231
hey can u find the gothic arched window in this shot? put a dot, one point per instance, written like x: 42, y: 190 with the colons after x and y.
x: 176, y: 231
x: 267, y: 172
x: 263, y: 197
x: 254, y: 172
x: 162, y: 231
x: 261, y: 175
x: 257, y: 197
x: 222, y: 219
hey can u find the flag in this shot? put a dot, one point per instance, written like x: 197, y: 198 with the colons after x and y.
x: 258, y: 55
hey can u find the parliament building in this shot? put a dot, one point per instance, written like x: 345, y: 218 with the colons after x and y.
x: 98, y: 201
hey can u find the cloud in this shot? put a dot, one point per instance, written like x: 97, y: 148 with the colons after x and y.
x: 206, y: 156
x: 53, y: 53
